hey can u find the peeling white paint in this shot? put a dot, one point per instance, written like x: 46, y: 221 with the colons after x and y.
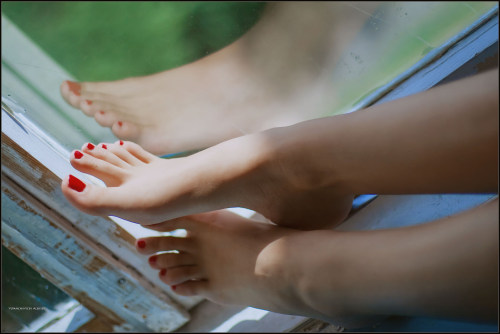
x: 70, y: 265
x: 125, y: 328
x: 102, y: 230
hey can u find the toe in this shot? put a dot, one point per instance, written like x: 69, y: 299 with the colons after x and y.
x: 125, y: 130
x: 123, y: 153
x: 109, y: 173
x: 105, y: 118
x: 87, y: 197
x: 153, y: 245
x: 105, y: 152
x: 191, y: 288
x: 138, y: 152
x: 171, y: 260
x: 177, y: 275
x: 88, y: 107
x: 71, y: 93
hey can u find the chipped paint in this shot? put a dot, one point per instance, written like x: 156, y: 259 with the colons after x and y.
x: 31, y: 233
x: 20, y: 166
x: 38, y: 173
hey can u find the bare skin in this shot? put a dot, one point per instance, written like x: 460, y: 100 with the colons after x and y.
x: 304, y: 176
x: 435, y: 269
x: 447, y: 142
x: 277, y: 74
x: 146, y: 189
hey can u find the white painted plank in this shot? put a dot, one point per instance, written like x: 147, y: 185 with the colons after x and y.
x: 41, y: 176
x: 37, y: 109
x: 80, y: 269
x: 21, y: 55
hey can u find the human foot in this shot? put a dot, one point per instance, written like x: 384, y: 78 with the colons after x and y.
x: 276, y: 75
x: 342, y: 277
x: 267, y: 267
x: 201, y: 264
x: 194, y: 106
x: 238, y: 173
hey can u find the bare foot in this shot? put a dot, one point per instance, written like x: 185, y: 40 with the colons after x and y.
x: 238, y: 173
x: 194, y: 106
x: 348, y: 278
x: 276, y: 75
x: 204, y: 265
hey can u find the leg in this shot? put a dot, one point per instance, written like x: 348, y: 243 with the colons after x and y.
x: 444, y: 140
x: 307, y: 173
x: 446, y: 268
x: 146, y: 189
x: 276, y: 75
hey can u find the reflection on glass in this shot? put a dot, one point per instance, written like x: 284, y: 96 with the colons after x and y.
x: 395, y: 37
x: 269, y: 64
x: 26, y: 296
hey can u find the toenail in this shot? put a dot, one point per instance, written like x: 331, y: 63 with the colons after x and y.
x: 120, y: 123
x: 101, y: 112
x: 76, y: 184
x: 78, y: 154
x: 104, y: 146
x: 153, y: 259
x: 121, y: 142
x: 90, y: 146
x: 141, y: 243
x: 74, y: 87
x: 174, y: 287
x: 88, y: 102
x: 163, y: 272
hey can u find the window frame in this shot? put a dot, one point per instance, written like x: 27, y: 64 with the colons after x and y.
x: 33, y: 166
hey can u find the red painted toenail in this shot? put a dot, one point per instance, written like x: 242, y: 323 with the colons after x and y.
x: 101, y: 112
x: 121, y: 142
x: 163, y: 272
x: 88, y: 102
x: 174, y: 287
x: 153, y: 259
x: 141, y: 243
x: 78, y: 154
x: 90, y: 146
x: 76, y: 184
x: 120, y: 123
x: 74, y: 87
x: 104, y: 146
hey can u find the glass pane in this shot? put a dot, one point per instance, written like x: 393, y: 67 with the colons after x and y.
x: 26, y: 295
x: 321, y: 58
x: 395, y: 37
x: 114, y: 40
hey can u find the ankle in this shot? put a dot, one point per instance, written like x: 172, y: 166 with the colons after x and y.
x: 278, y: 268
x: 304, y: 161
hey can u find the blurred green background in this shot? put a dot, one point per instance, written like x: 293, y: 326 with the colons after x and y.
x: 130, y: 38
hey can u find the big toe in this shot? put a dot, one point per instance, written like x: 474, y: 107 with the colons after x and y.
x: 97, y: 200
x: 71, y: 93
x: 86, y: 197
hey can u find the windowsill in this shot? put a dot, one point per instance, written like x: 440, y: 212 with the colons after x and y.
x: 386, y: 211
